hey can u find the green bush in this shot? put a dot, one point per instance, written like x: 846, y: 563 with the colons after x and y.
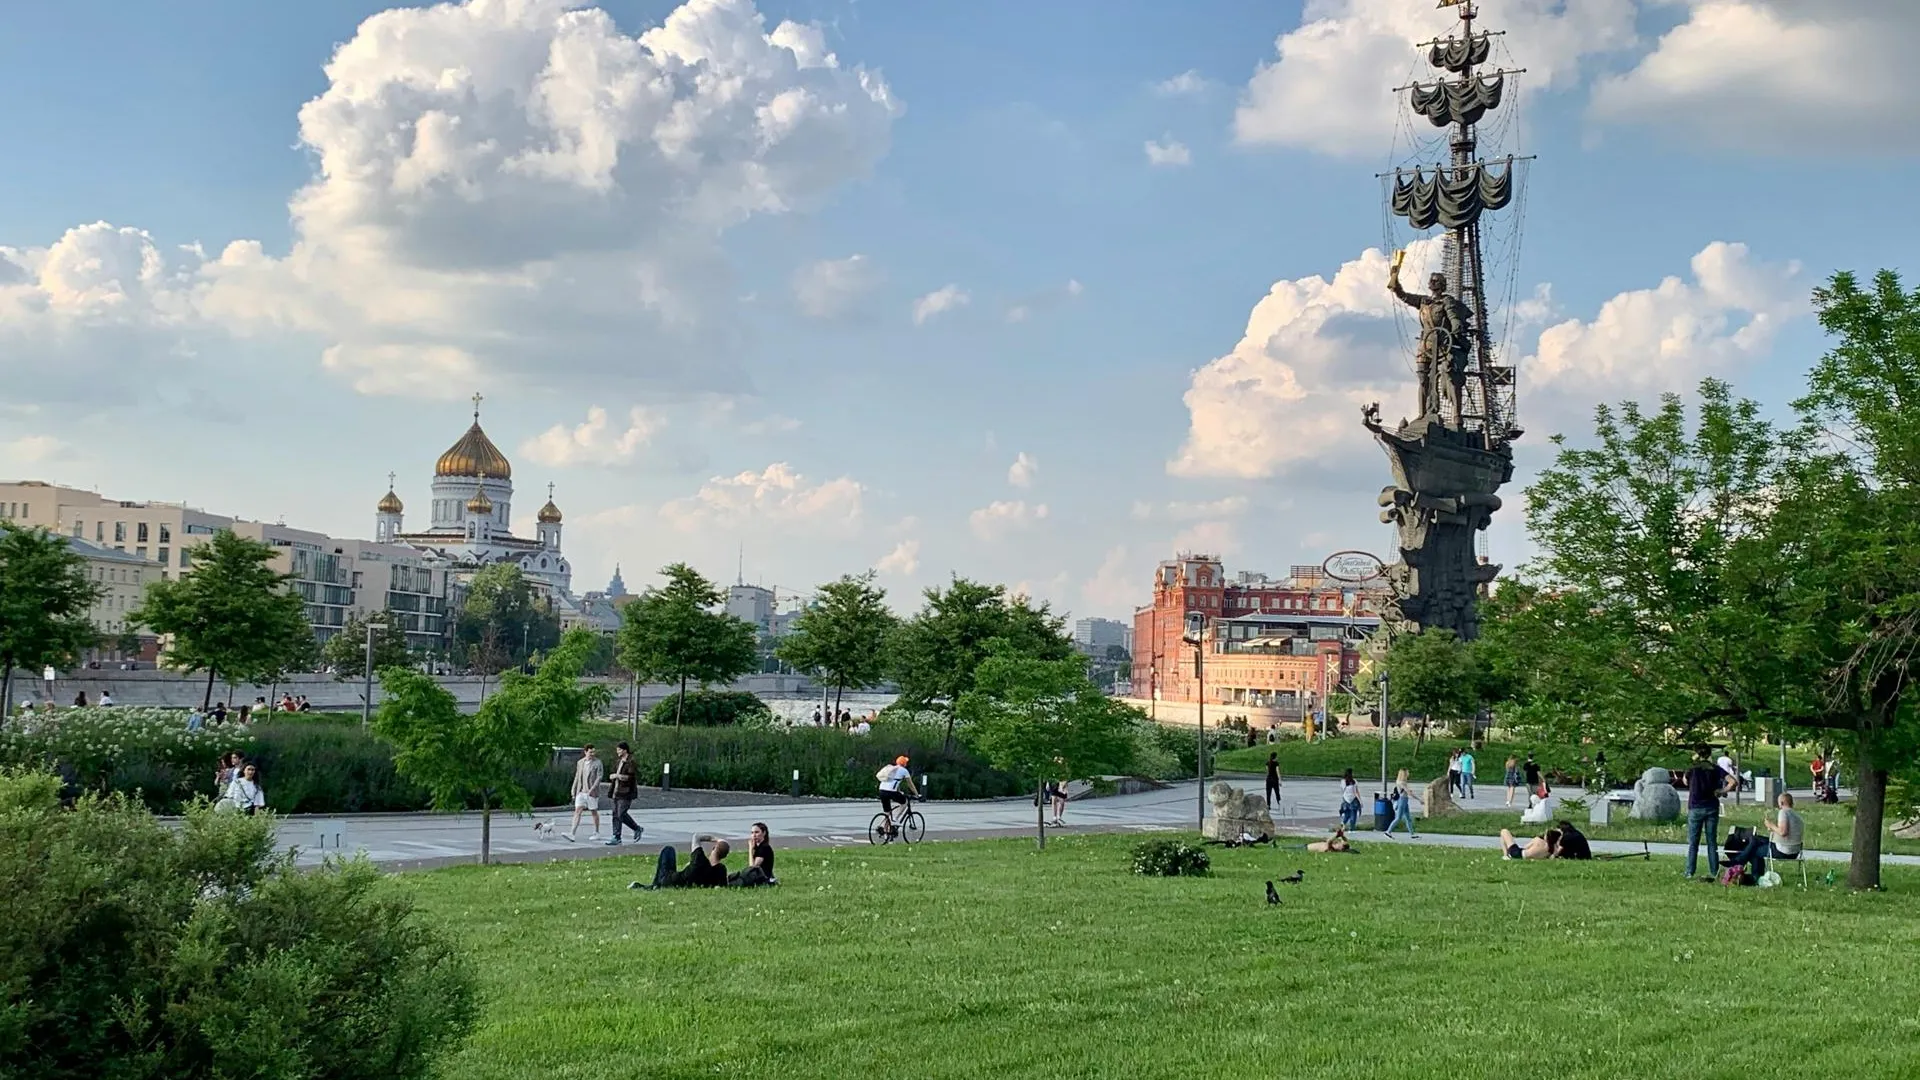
x: 143, y: 750
x: 325, y: 768
x: 131, y: 949
x: 1170, y: 858
x: 713, y: 708
x: 833, y: 763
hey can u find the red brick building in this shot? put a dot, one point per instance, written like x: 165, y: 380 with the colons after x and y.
x: 1279, y: 645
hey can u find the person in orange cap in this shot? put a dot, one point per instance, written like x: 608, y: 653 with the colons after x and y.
x: 892, y: 778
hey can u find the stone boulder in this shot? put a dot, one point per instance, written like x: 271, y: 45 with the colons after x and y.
x: 1654, y: 797
x: 1439, y: 799
x: 1236, y: 815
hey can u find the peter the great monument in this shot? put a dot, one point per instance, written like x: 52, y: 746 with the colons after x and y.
x: 1451, y: 458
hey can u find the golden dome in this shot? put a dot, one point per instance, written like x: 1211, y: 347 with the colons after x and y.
x: 474, y: 455
x: 390, y: 504
x: 479, y: 504
x: 549, y: 514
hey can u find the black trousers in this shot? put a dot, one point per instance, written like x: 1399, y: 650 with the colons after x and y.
x: 623, y: 812
x: 1273, y: 791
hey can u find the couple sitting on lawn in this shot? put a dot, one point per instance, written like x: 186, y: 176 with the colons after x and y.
x: 707, y: 865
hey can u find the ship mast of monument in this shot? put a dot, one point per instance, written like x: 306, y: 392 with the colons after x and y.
x: 1453, y: 197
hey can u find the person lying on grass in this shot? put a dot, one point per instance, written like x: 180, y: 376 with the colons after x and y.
x: 706, y: 866
x: 1561, y: 842
x: 1335, y: 844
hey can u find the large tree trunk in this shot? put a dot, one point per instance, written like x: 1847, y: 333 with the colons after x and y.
x: 680, y: 704
x: 6, y: 688
x: 486, y: 826
x: 1869, y: 813
x: 949, y: 729
x: 838, y: 686
x: 206, y: 701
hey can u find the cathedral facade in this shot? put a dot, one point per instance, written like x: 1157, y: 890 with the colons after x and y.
x: 470, y: 519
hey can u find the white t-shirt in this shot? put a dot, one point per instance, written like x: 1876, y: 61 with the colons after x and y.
x: 891, y: 776
x: 1795, y: 830
x: 244, y: 793
x: 1350, y: 792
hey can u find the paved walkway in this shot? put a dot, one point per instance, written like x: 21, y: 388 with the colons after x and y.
x: 405, y: 841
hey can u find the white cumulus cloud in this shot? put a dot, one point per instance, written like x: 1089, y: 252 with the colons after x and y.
x: 943, y: 299
x: 902, y: 561
x: 524, y: 186
x: 1117, y: 586
x: 1024, y: 469
x: 594, y: 441
x: 1169, y: 153
x: 1327, y: 87
x: 834, y: 288
x: 1002, y: 518
x: 1186, y: 84
x: 1778, y: 75
x: 1316, y: 350
x: 1231, y: 506
x: 776, y: 494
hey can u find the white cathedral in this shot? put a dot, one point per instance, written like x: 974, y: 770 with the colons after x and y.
x: 471, y: 520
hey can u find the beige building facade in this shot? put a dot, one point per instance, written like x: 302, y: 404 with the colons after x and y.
x: 336, y: 578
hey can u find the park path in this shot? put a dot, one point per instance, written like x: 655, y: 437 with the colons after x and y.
x: 405, y: 841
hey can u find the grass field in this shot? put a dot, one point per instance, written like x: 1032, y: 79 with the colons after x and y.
x: 989, y: 960
x: 1829, y: 828
x: 1428, y: 760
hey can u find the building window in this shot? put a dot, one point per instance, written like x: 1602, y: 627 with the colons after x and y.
x: 163, y: 556
x: 99, y: 531
x: 186, y: 558
x: 141, y: 532
x: 76, y: 528
x: 119, y: 532
x: 140, y: 551
x: 26, y: 511
x: 166, y: 533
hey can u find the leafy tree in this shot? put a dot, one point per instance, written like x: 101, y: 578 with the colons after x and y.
x: 1042, y: 719
x: 936, y: 654
x: 127, y: 643
x: 1837, y: 581
x: 231, y: 616
x: 504, y: 621
x: 1436, y: 674
x: 346, y: 651
x: 457, y: 757
x: 672, y: 634
x: 842, y: 636
x: 44, y: 599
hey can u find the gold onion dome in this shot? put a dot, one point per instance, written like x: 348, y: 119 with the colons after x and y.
x: 479, y: 504
x: 390, y: 504
x: 549, y: 514
x: 474, y: 455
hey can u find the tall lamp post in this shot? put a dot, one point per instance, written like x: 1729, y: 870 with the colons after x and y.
x: 1196, y: 636
x: 1383, y: 733
x: 366, y: 700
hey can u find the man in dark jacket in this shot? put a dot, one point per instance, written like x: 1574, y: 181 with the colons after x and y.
x: 623, y: 784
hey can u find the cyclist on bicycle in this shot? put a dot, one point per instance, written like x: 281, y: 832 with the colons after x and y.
x: 891, y: 778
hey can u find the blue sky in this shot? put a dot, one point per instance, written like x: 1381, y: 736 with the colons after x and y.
x: 751, y: 290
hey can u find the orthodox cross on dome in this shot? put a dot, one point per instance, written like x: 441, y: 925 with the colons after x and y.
x: 390, y: 479
x: 477, y: 399
x: 549, y: 491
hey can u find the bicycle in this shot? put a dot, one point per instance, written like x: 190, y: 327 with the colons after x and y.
x: 910, y: 828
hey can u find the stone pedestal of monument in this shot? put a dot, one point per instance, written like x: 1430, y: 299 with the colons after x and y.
x: 1236, y: 815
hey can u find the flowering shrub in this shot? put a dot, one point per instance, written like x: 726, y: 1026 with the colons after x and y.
x: 125, y: 749
x: 1170, y: 858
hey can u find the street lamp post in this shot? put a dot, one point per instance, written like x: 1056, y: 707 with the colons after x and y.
x: 366, y: 700
x: 1383, y: 732
x: 1196, y: 635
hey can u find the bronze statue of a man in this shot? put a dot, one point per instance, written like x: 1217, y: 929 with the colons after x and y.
x: 1445, y: 344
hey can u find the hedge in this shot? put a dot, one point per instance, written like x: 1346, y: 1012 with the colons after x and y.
x: 711, y: 708
x: 314, y: 765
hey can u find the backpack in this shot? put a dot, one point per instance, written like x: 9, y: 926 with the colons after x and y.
x: 882, y: 774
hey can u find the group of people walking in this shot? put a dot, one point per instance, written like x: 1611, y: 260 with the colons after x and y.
x: 238, y: 782
x: 623, y: 786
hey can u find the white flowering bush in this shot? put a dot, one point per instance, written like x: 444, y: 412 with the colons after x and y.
x: 124, y: 749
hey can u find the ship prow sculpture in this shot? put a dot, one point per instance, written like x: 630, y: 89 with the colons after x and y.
x: 1451, y: 459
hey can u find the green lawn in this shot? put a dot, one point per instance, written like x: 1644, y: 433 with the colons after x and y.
x: 1428, y: 760
x: 989, y: 960
x: 1829, y: 828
